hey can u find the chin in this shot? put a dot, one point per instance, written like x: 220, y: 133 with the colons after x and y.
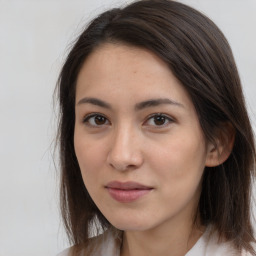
x: 130, y: 224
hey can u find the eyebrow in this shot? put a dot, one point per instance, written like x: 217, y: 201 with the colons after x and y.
x: 156, y: 102
x: 94, y: 101
x: 138, y: 106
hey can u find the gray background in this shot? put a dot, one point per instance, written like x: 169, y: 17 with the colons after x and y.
x: 34, y: 39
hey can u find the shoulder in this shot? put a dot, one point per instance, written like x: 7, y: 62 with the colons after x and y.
x: 244, y: 253
x: 65, y: 252
x: 106, y: 244
x: 210, y: 245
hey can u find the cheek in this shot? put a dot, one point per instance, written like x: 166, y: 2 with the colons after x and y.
x: 179, y: 164
x: 89, y: 156
x: 176, y: 152
x: 179, y: 170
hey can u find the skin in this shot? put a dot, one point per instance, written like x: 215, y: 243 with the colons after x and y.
x: 125, y: 143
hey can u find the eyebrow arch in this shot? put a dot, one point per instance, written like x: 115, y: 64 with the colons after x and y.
x: 138, y: 106
x: 156, y: 102
x: 94, y: 101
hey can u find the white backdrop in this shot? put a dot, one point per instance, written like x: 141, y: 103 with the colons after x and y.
x: 34, y: 38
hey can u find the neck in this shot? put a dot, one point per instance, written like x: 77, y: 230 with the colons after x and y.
x: 175, y: 241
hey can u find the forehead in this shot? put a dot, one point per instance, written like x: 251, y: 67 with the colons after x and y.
x: 127, y: 72
x: 112, y: 58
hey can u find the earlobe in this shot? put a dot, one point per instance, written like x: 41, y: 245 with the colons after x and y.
x: 219, y: 152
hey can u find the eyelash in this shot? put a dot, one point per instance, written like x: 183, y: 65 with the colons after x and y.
x: 167, y: 120
x: 93, y: 115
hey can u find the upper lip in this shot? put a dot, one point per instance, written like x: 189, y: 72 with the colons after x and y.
x: 126, y: 185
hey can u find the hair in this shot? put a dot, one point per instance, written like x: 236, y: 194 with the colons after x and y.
x: 200, y: 57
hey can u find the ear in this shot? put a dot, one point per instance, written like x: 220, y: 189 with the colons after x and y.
x: 218, y: 152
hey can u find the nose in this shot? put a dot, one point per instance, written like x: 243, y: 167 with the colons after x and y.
x: 124, y: 153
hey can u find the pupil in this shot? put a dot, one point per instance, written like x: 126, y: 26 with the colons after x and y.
x: 159, y: 120
x: 99, y: 120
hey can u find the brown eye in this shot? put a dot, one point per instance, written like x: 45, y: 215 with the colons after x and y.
x: 158, y: 120
x: 96, y: 120
x: 100, y: 120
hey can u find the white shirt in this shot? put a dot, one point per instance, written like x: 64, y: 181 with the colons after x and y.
x: 207, y: 245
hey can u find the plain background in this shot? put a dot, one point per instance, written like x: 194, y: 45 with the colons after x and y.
x: 35, y: 37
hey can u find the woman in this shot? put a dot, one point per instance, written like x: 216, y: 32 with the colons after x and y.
x: 157, y: 151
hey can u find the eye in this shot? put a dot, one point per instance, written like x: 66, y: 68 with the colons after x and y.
x: 159, y: 120
x: 96, y: 120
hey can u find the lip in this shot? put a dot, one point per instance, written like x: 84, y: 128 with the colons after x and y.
x: 126, y: 192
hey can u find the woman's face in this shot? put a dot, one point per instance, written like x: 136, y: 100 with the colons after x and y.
x: 137, y: 139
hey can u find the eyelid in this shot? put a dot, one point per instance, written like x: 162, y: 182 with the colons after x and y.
x: 87, y: 117
x: 168, y: 117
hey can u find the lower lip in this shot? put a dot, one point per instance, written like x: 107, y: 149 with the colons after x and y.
x: 126, y: 196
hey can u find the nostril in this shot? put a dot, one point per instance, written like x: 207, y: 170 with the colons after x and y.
x: 124, y: 151
x: 122, y: 163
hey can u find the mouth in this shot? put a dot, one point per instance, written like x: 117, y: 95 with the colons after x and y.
x: 126, y: 192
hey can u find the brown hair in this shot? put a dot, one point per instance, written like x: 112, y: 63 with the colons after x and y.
x: 200, y: 57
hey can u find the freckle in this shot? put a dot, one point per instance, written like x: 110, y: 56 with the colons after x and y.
x: 134, y: 71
